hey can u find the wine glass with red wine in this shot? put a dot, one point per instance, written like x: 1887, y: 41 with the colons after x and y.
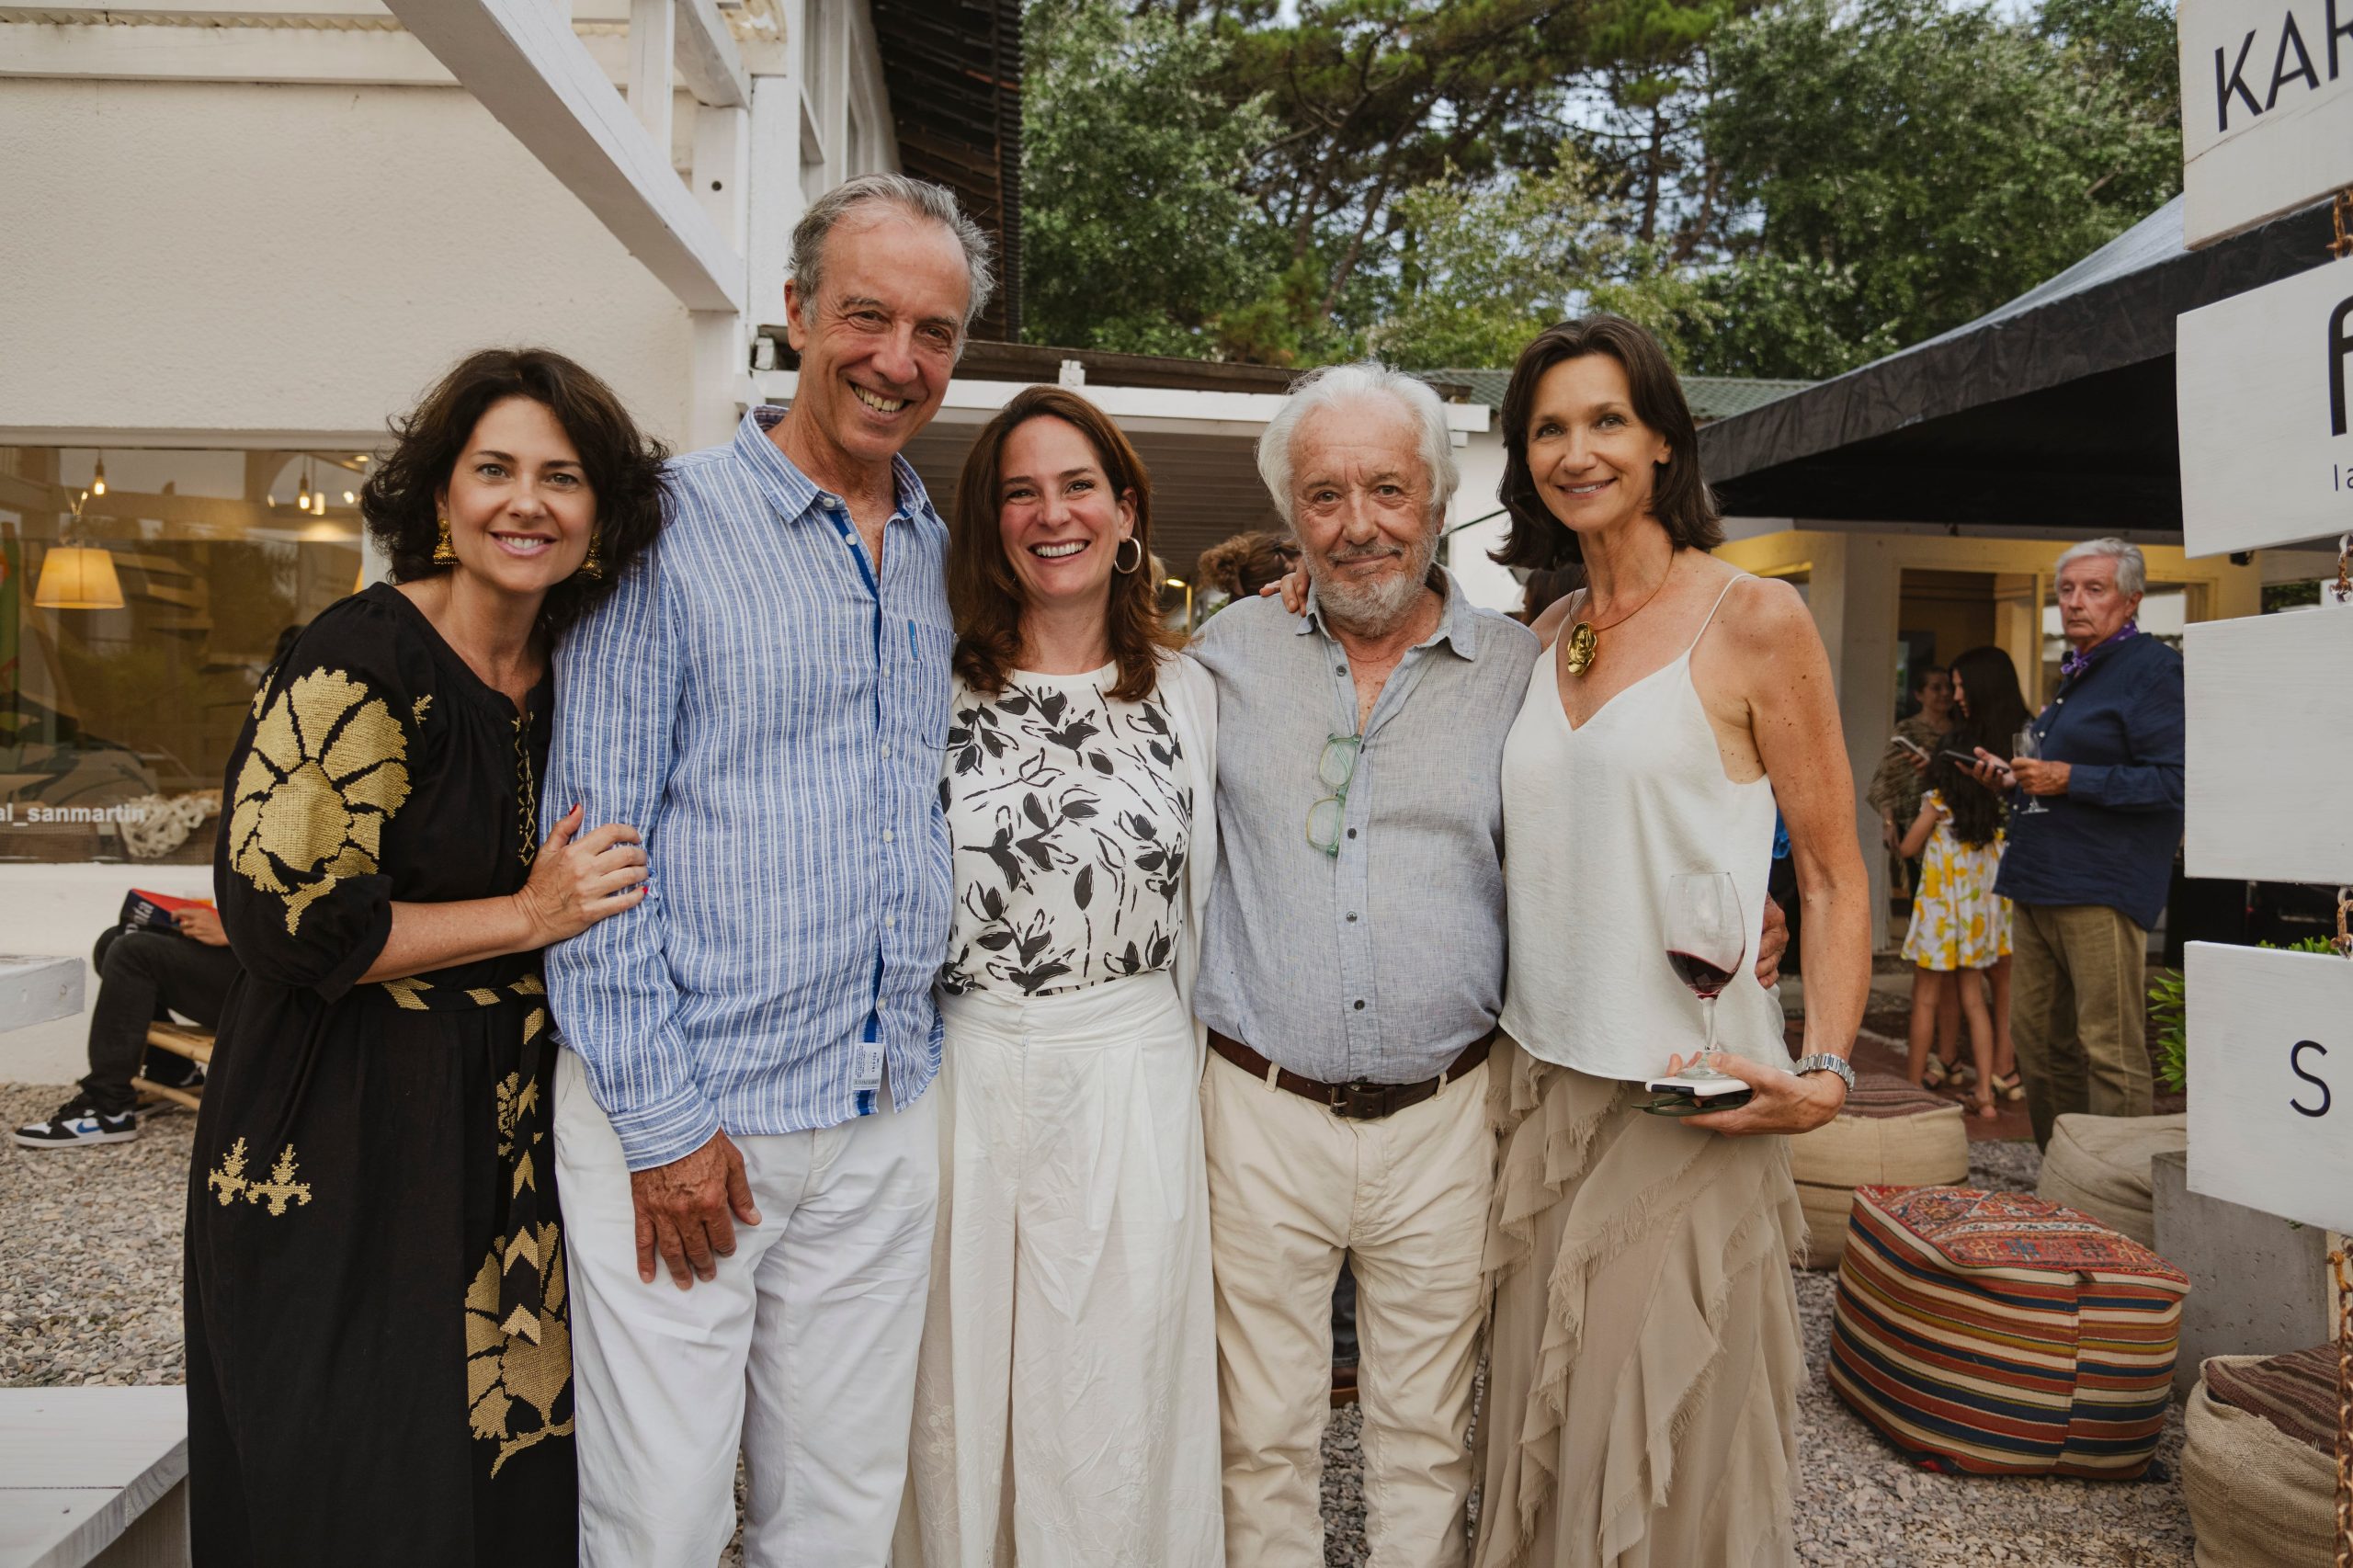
x: 1707, y: 941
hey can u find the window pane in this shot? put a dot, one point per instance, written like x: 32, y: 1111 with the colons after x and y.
x: 131, y: 639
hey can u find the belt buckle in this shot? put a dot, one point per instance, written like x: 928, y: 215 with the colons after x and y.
x: 1361, y: 1101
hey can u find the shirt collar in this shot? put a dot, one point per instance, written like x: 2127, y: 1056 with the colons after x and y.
x: 1457, y: 622
x: 2076, y: 663
x: 795, y: 493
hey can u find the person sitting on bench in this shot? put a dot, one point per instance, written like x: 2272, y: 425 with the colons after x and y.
x: 144, y: 976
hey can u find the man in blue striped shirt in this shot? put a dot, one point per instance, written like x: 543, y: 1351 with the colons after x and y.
x: 764, y: 696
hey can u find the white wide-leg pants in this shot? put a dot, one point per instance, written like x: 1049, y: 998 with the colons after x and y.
x: 1066, y: 1400
x: 801, y: 1353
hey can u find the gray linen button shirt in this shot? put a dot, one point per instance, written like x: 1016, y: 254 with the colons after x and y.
x: 1380, y: 963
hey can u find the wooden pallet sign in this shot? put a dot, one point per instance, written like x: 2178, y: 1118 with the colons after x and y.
x: 2271, y: 1081
x: 2267, y: 109
x: 2264, y: 382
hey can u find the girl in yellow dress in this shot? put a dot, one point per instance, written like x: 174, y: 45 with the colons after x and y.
x: 1958, y: 923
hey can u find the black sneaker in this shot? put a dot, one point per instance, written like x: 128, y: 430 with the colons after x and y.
x: 76, y: 1123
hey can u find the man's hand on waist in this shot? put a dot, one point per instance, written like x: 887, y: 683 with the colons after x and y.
x: 1771, y: 943
x: 684, y: 1209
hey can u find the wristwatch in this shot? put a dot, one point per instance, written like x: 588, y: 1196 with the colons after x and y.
x: 1822, y: 1062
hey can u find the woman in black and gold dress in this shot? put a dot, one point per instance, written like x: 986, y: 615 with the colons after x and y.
x: 378, y: 1359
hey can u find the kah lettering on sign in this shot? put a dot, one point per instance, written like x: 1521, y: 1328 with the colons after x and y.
x: 2266, y: 124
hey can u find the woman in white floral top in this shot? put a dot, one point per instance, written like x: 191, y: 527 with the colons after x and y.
x: 1066, y: 1393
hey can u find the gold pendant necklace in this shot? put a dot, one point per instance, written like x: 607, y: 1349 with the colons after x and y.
x: 1583, y: 644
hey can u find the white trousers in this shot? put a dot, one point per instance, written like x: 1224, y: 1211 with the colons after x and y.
x: 1291, y: 1187
x: 1066, y: 1396
x: 801, y: 1353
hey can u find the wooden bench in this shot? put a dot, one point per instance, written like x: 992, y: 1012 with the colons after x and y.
x: 194, y: 1044
x: 94, y: 1476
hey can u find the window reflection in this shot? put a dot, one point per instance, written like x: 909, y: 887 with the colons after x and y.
x: 117, y: 723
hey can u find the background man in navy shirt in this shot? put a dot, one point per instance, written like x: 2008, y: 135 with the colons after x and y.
x: 2088, y: 875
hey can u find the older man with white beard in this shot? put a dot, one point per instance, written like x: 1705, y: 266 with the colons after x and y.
x: 1352, y: 971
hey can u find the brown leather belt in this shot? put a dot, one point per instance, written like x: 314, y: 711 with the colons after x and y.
x: 1357, y: 1102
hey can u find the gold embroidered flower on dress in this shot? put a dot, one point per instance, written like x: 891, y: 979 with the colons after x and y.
x: 523, y: 1364
x: 326, y: 770
x: 230, y: 1183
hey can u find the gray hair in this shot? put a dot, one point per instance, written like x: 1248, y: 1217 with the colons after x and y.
x: 1335, y: 385
x: 2131, y: 567
x: 916, y: 197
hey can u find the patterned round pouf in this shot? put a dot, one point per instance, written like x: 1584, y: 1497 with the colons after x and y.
x: 1892, y: 1133
x: 2257, y: 1466
x: 2002, y: 1334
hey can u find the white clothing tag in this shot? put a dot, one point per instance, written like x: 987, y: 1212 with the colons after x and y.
x: 868, y: 1075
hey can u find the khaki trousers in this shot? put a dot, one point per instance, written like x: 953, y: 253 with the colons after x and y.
x: 1292, y: 1187
x: 2078, y: 999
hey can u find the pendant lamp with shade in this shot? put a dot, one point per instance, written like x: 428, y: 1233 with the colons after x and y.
x: 78, y: 576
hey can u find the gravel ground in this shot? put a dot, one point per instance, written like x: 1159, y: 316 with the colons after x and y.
x: 90, y: 1293
x: 90, y: 1253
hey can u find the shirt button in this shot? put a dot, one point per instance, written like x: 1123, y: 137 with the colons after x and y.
x: 1360, y: 1003
x: 886, y: 836
x: 1352, y: 833
x: 890, y: 921
x: 886, y: 750
x: 1339, y: 669
x: 1352, y: 916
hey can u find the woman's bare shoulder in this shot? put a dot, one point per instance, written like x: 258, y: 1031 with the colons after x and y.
x: 1763, y: 614
x: 1554, y: 616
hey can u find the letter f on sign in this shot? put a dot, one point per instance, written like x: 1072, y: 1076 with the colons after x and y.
x: 2339, y: 345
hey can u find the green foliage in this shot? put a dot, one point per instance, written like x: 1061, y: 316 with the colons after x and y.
x: 2289, y: 595
x: 1137, y: 235
x: 1372, y: 98
x: 1912, y: 164
x: 1782, y: 187
x: 2168, y: 1017
x: 2169, y: 1032
x: 1485, y: 268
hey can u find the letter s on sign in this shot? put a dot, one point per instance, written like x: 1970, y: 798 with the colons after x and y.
x: 2296, y: 1065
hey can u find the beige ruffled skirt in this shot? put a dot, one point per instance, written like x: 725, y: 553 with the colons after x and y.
x: 1643, y: 1360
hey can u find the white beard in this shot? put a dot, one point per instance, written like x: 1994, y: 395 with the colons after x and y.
x: 1377, y: 607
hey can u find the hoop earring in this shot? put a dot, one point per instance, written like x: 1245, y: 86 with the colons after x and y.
x: 1123, y: 545
x: 592, y: 565
x: 445, y: 553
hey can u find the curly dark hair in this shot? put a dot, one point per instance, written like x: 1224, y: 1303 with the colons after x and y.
x: 401, y: 501
x: 986, y: 599
x: 1681, y: 500
x: 1248, y: 562
x: 1989, y: 711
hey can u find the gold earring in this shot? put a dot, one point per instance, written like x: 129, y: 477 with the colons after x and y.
x: 445, y: 553
x: 592, y: 565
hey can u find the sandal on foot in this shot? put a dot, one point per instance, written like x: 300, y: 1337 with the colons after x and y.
x: 1933, y: 1075
x: 1963, y: 1076
x: 2007, y: 1085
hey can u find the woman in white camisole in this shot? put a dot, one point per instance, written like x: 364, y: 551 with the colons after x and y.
x: 1644, y: 1357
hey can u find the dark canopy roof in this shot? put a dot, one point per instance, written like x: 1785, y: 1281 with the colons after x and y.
x: 2056, y: 409
x: 953, y: 68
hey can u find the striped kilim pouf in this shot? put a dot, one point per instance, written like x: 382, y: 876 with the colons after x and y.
x: 2003, y: 1334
